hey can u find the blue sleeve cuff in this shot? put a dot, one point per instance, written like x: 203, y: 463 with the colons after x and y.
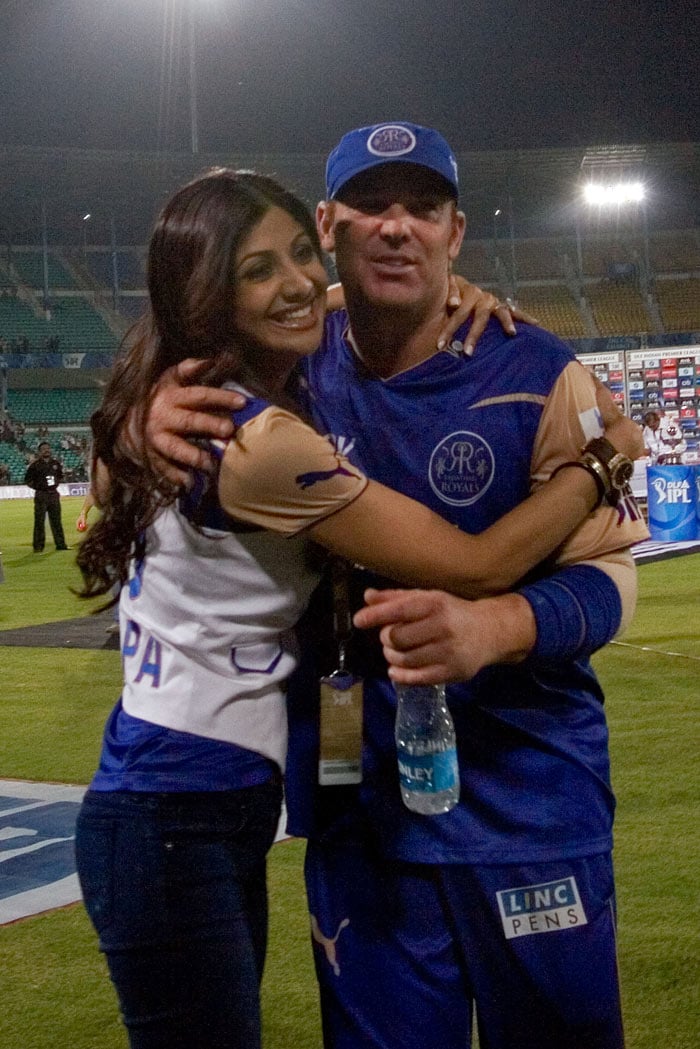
x: 577, y: 611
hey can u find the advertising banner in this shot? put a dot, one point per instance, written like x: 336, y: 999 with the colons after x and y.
x: 672, y: 503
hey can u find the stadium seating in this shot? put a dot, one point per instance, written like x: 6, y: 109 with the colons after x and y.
x: 613, y: 271
x: 675, y: 251
x: 15, y: 462
x: 476, y: 262
x: 74, y: 321
x: 6, y: 281
x: 538, y: 259
x: 132, y: 306
x: 601, y: 255
x: 52, y: 407
x: 618, y: 308
x: 18, y: 319
x: 130, y: 271
x: 29, y: 267
x: 75, y: 461
x: 679, y: 303
x: 554, y: 307
x: 80, y: 327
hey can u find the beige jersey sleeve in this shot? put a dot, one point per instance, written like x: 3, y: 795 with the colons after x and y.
x: 279, y: 474
x: 570, y: 419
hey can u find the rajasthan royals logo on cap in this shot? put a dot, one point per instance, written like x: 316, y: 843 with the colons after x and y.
x: 391, y: 140
x: 461, y: 468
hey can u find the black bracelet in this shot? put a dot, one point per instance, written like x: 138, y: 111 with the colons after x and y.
x: 617, y: 469
x: 596, y: 473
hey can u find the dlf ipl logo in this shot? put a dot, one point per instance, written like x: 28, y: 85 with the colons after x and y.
x: 461, y: 468
x: 531, y: 909
x: 672, y: 491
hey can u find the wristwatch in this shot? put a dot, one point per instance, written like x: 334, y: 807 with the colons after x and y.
x: 612, y: 467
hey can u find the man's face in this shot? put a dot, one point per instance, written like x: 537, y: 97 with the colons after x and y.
x: 44, y: 451
x: 394, y: 235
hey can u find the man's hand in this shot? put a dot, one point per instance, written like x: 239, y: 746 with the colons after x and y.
x: 177, y: 412
x: 465, y: 300
x: 619, y: 429
x: 429, y: 636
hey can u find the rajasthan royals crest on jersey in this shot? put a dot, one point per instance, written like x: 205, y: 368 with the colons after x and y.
x: 551, y: 907
x: 461, y: 468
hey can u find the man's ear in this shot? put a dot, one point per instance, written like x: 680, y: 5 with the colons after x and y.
x: 325, y: 224
x: 459, y: 226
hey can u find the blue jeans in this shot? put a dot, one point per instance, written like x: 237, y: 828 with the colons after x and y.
x: 175, y: 886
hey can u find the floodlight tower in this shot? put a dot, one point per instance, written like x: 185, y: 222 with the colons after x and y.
x: 612, y: 180
x: 86, y: 218
x: 192, y: 55
x: 619, y: 195
x: 191, y: 18
x: 45, y: 260
x: 114, y: 260
x: 498, y: 212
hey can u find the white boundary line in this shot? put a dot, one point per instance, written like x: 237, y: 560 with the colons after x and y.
x: 656, y: 651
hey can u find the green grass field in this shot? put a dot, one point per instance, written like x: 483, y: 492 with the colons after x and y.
x: 54, y: 992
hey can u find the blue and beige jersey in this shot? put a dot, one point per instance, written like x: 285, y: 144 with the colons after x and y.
x: 208, y: 614
x: 471, y: 438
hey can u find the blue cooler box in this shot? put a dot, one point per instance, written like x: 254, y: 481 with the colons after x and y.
x: 672, y: 503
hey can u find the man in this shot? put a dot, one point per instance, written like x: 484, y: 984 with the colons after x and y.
x: 505, y: 903
x: 653, y: 439
x: 44, y: 475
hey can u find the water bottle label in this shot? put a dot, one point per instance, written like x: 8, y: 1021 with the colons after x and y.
x: 430, y: 773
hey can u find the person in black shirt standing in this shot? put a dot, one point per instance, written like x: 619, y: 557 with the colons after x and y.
x: 44, y: 475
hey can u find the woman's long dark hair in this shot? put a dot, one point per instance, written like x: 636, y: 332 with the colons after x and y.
x: 191, y: 285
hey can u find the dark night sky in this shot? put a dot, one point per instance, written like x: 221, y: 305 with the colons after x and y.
x: 291, y: 75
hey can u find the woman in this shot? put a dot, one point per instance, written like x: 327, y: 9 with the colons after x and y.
x: 173, y: 835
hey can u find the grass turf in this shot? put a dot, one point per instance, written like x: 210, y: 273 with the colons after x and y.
x: 53, y: 984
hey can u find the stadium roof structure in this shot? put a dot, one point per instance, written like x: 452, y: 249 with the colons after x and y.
x: 55, y: 188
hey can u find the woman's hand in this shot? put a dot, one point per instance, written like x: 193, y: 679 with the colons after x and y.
x: 335, y: 298
x: 466, y: 300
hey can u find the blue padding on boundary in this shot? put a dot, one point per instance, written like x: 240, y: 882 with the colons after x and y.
x: 36, y: 844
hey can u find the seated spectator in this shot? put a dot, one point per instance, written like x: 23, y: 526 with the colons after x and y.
x: 4, y: 474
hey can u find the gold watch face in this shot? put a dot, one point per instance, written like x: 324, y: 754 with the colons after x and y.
x: 621, y: 470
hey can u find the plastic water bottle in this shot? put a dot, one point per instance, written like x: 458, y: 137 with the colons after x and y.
x: 426, y: 749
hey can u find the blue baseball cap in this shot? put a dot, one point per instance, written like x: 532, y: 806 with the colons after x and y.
x: 368, y: 147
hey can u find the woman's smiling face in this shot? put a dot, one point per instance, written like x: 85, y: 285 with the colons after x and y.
x: 280, y: 297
